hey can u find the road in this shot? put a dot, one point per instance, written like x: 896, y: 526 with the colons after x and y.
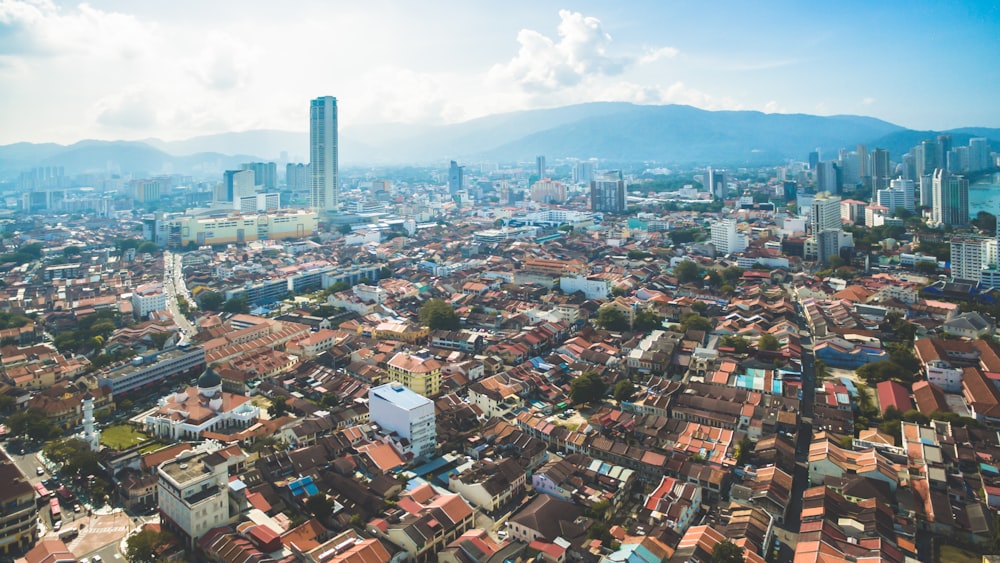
x: 800, y: 480
x: 174, y: 285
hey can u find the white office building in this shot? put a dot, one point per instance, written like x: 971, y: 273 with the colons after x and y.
x: 898, y: 194
x: 395, y: 409
x: 592, y: 288
x: 970, y: 256
x: 148, y: 298
x: 726, y: 238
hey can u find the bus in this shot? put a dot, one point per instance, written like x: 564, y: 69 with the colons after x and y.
x: 54, y: 508
x: 43, y: 493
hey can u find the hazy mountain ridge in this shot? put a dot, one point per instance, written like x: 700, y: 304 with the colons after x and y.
x: 671, y: 134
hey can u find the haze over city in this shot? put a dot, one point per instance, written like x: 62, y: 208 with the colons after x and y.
x: 172, y: 70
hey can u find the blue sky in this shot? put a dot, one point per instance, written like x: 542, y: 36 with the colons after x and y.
x: 130, y: 70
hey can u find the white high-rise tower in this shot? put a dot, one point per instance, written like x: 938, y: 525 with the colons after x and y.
x: 323, y: 153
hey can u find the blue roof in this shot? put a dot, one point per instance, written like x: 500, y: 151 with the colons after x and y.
x: 302, y: 486
x: 400, y: 395
x: 430, y: 466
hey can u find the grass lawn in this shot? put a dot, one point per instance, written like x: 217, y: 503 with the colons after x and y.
x: 122, y: 437
x: 953, y: 554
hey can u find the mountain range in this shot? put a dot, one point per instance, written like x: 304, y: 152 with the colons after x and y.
x: 609, y: 131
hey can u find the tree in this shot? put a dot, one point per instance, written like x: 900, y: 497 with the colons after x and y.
x: 820, y: 369
x: 160, y: 338
x: 744, y: 449
x: 70, y: 251
x: 737, y: 343
x: 439, y: 315
x: 587, y: 388
x: 236, y: 305
x: 985, y: 221
x: 610, y: 318
x: 732, y: 274
x: 279, y: 406
x: 344, y: 229
x: 624, y: 390
x: 34, y: 424
x: 926, y: 267
x: 694, y: 321
x: 319, y: 506
x: 142, y: 547
x: 883, y: 370
x: 727, y: 552
x: 211, y: 300
x: 687, y: 272
x: 835, y: 262
x: 647, y: 321
x: 699, y: 307
x: 75, y: 456
x: 147, y: 247
x: 768, y: 342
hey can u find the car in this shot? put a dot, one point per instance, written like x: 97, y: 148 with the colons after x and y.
x: 57, y: 525
x: 76, y: 508
x: 39, y: 471
x: 84, y: 560
x: 96, y: 559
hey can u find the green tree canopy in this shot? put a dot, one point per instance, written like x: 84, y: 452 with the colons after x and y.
x: 142, y: 546
x: 211, y: 300
x: 768, y: 342
x: 236, y: 305
x: 279, y: 406
x: 624, y: 390
x: 687, y: 272
x: 694, y: 321
x: 319, y: 506
x: 72, y: 250
x: 438, y: 314
x: 647, y: 320
x: 727, y: 552
x: 587, y: 388
x: 75, y: 456
x: 883, y: 370
x: 33, y: 424
x: 610, y: 318
x: 738, y: 343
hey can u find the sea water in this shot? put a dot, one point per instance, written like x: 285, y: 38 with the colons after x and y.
x: 984, y: 197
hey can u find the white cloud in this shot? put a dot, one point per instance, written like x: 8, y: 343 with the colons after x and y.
x: 131, y: 110
x: 224, y: 63
x: 773, y: 106
x: 581, y: 52
x: 867, y: 101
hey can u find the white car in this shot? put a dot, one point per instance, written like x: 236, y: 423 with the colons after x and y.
x: 39, y: 470
x: 96, y: 559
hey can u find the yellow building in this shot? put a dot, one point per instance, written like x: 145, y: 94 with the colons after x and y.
x: 401, y: 330
x: 421, y: 374
x: 18, y: 530
x: 237, y: 228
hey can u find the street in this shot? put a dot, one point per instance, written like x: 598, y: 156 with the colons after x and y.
x: 174, y: 285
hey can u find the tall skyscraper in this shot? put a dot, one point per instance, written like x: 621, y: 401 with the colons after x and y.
x: 715, y: 181
x: 726, y: 238
x: 927, y: 191
x: 951, y: 199
x: 926, y: 155
x: 826, y: 177
x: 979, y: 154
x: 898, y: 194
x: 813, y: 159
x: 881, y: 171
x: 943, y: 148
x: 540, y: 167
x: 297, y: 176
x: 826, y: 226
x: 456, y: 177
x: 323, y: 154
x: 607, y: 194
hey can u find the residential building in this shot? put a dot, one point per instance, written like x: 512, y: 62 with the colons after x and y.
x: 607, y: 194
x: 970, y: 255
x: 548, y: 191
x: 950, y: 199
x: 899, y: 194
x: 591, y: 287
x: 417, y: 371
x: 397, y: 409
x: 18, y: 526
x: 456, y: 177
x: 236, y: 184
x: 265, y: 174
x: 323, y: 154
x: 193, y: 495
x: 716, y: 183
x: 428, y: 523
x: 148, y: 298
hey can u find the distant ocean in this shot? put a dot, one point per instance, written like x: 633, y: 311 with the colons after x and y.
x: 984, y: 197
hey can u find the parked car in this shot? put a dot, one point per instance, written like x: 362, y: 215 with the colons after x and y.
x: 39, y: 470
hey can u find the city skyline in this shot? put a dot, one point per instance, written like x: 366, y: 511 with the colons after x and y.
x: 114, y: 70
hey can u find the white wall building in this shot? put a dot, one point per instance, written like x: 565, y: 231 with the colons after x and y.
x: 192, y: 495
x: 592, y: 288
x: 726, y: 238
x: 969, y: 256
x: 395, y: 408
x: 148, y: 298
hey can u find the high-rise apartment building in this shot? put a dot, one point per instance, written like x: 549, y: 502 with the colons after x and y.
x: 297, y: 176
x: 951, y: 199
x: 943, y: 147
x: 898, y: 194
x: 395, y: 408
x: 726, y: 238
x: 540, y: 167
x: 548, y: 191
x: 583, y: 172
x: 265, y: 174
x: 969, y: 256
x: 607, y: 194
x: 826, y: 177
x: 323, y: 154
x: 825, y: 212
x: 236, y: 184
x: 927, y: 191
x: 979, y: 154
